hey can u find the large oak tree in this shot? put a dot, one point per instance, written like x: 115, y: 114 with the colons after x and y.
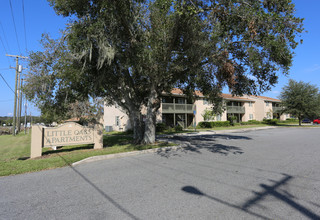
x: 301, y: 100
x: 130, y: 51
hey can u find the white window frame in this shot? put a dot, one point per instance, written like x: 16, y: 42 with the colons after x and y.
x: 117, y: 120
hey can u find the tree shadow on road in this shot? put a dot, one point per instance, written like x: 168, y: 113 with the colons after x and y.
x: 267, y: 190
x: 197, y: 143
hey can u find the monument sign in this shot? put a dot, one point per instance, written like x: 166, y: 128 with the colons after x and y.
x: 66, y: 134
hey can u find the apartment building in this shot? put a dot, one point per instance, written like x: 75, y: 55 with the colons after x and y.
x: 177, y: 109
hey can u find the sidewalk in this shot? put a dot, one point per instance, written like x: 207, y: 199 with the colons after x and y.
x: 199, y: 132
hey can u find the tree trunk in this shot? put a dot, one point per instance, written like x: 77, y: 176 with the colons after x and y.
x: 150, y: 122
x: 137, y: 126
x: 300, y: 119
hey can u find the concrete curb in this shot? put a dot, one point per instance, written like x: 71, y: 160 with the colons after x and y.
x: 154, y: 150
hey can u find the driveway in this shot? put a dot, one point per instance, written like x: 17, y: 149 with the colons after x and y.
x: 264, y: 174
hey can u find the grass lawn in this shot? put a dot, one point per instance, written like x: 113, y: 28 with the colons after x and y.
x: 15, y: 153
x: 232, y: 127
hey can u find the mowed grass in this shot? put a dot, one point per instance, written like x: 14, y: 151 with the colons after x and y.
x: 15, y: 153
x: 232, y: 127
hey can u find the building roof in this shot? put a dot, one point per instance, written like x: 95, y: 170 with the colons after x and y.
x: 267, y: 98
x: 176, y: 91
x: 238, y: 98
x: 73, y: 119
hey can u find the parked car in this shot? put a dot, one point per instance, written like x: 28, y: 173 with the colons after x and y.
x: 306, y: 120
x: 316, y: 121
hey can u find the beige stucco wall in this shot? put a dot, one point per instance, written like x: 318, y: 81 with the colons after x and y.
x: 268, y: 110
x: 259, y: 109
x: 110, y: 114
x: 200, y: 108
x: 248, y: 110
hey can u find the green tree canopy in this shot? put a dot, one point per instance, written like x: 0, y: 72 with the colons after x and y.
x: 131, y: 51
x: 300, y: 99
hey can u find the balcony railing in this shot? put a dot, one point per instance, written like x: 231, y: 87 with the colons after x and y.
x: 236, y: 109
x: 276, y: 109
x: 177, y: 108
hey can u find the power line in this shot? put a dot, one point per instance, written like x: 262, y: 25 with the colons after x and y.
x: 5, y: 50
x: 14, y: 24
x: 6, y: 82
x: 24, y: 25
x: 5, y: 38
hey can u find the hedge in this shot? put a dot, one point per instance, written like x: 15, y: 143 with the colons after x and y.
x: 212, y: 124
x: 270, y: 121
x: 160, y: 127
x: 251, y: 122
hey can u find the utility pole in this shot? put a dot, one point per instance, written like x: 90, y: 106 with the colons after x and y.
x: 20, y: 105
x: 15, y: 91
x: 25, y: 116
x: 18, y: 100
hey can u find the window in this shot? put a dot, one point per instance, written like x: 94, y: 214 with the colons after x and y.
x: 117, y: 120
x: 250, y: 104
x: 250, y: 116
x: 180, y: 100
x: 267, y: 103
x: 167, y: 100
x: 205, y: 101
x: 218, y: 117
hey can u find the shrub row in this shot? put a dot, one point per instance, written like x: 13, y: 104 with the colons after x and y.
x: 270, y: 121
x: 251, y: 122
x: 212, y: 124
x: 160, y: 127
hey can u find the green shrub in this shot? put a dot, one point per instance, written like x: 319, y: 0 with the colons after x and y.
x: 232, y: 120
x: 129, y: 131
x: 236, y: 124
x: 291, y: 119
x: 212, y: 124
x: 169, y: 129
x: 160, y: 127
x: 251, y: 122
x: 270, y: 121
x: 178, y: 128
x: 220, y: 123
x: 204, y: 124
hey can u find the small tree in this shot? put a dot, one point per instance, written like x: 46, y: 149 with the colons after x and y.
x: 300, y: 99
x: 208, y: 115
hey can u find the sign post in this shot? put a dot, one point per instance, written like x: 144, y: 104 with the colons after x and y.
x: 195, y: 120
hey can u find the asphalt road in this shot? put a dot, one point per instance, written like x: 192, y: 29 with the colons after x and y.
x: 266, y: 174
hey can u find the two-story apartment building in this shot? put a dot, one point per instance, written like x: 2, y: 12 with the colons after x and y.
x: 177, y: 109
x: 266, y: 107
